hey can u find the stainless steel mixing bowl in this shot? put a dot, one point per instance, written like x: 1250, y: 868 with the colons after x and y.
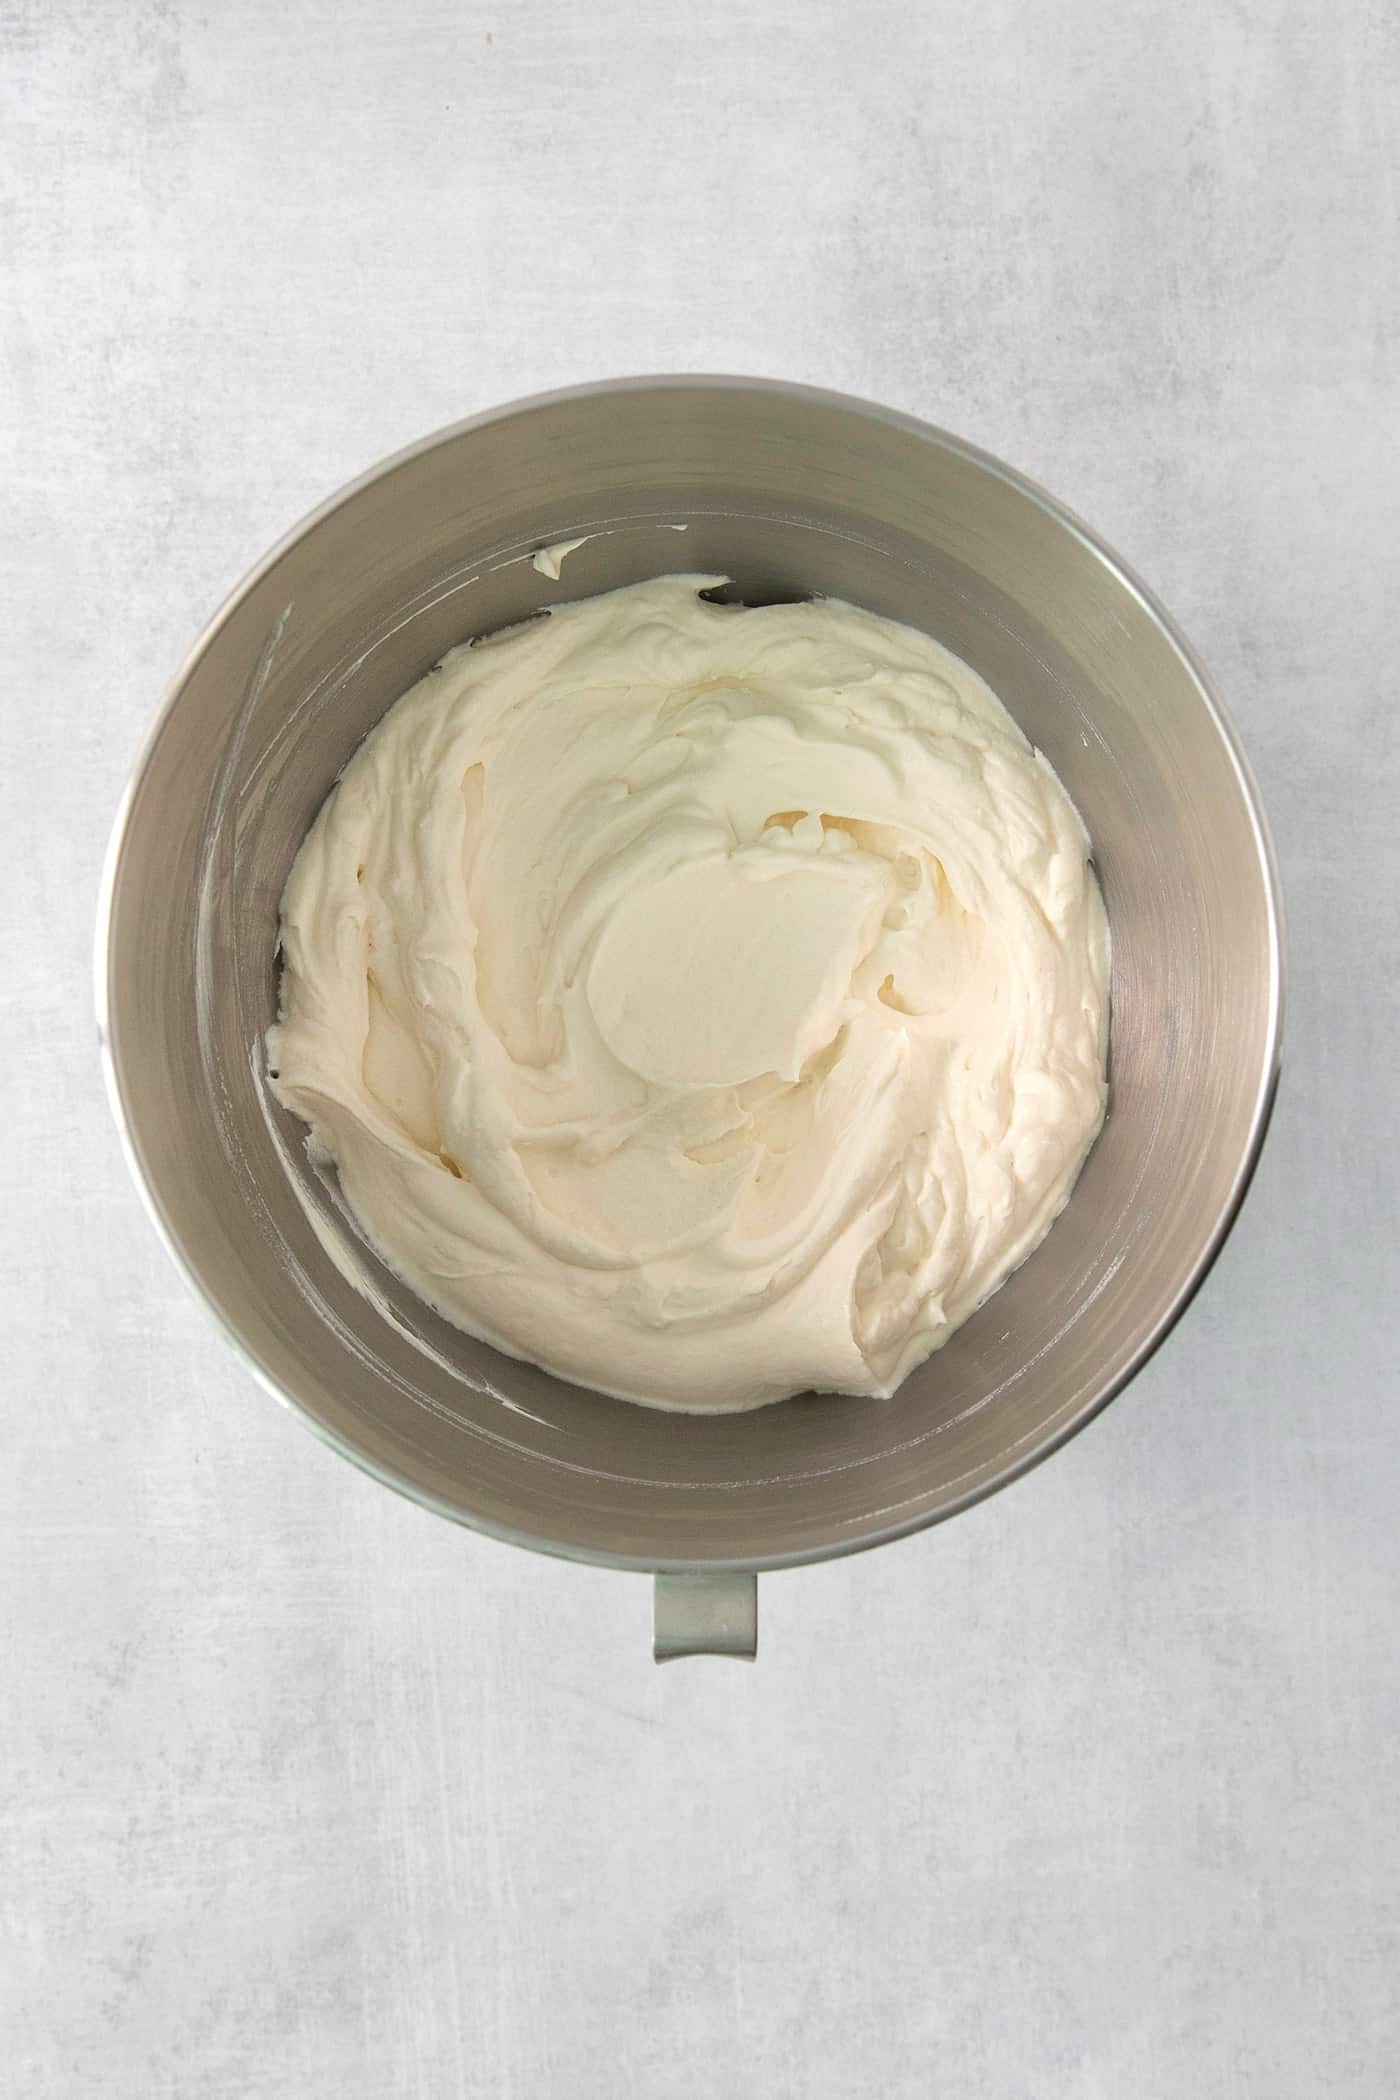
x: 787, y: 491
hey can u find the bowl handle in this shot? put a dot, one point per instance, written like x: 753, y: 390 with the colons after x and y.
x: 705, y: 1613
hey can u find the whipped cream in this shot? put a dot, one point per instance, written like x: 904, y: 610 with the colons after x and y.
x: 550, y: 560
x: 703, y: 1003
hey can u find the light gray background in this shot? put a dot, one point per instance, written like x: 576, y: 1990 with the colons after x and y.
x: 1090, y: 1795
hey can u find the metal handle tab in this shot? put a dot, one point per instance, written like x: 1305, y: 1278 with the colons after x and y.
x: 699, y: 1613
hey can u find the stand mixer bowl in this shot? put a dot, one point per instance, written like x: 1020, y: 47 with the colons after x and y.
x: 788, y: 491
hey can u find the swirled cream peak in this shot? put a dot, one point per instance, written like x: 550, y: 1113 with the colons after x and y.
x: 704, y: 1003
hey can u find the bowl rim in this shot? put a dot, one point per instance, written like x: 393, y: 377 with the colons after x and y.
x: 924, y: 432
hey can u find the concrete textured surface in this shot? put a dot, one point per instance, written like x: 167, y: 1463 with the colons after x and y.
x: 1088, y: 1794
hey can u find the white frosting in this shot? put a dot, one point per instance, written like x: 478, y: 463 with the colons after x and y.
x: 550, y: 560
x: 703, y: 1003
